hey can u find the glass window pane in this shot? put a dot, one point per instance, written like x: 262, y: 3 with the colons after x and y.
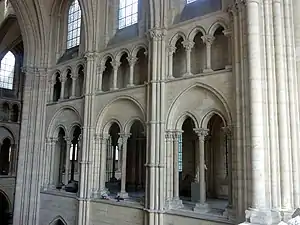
x: 128, y: 10
x: 7, y: 70
x: 74, y: 25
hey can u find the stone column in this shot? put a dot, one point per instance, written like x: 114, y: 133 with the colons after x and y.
x: 96, y: 164
x: 67, y: 172
x: 124, y: 137
x: 62, y: 92
x: 51, y: 88
x: 259, y: 212
x: 228, y: 146
x: 46, y: 163
x: 202, y: 205
x: 171, y: 51
x: 227, y: 33
x: 169, y: 166
x: 132, y: 61
x: 176, y: 202
x: 188, y: 45
x: 208, y: 40
x: 74, y: 81
x: 101, y: 70
x: 51, y: 175
x: 115, y: 66
x: 104, y: 143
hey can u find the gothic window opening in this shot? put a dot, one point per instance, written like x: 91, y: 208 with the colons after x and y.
x: 60, y: 159
x: 15, y: 113
x: 74, y: 25
x: 179, y: 59
x: 7, y: 71
x: 80, y: 82
x: 68, y: 86
x: 5, y: 157
x: 107, y: 78
x: 57, y: 88
x: 128, y: 13
x: 123, y: 72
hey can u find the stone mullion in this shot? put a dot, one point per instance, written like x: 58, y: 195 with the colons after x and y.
x: 115, y: 65
x: 62, y: 93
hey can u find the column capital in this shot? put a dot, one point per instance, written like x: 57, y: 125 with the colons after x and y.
x: 202, y: 133
x: 157, y: 34
x: 74, y: 76
x: 188, y: 45
x: 62, y: 78
x: 171, y: 49
x: 227, y: 32
x: 53, y: 140
x: 115, y: 64
x: 132, y: 60
x: 208, y: 39
x: 168, y: 135
x: 89, y: 56
x: 125, y: 135
x: 176, y: 134
x: 227, y: 131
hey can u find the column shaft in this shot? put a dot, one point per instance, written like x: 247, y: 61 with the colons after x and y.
x: 68, y: 147
x: 123, y: 192
x: 116, y: 66
x: 208, y: 40
x: 104, y: 150
x: 175, y: 166
x: 62, y: 93
x: 74, y: 80
x: 171, y: 50
x: 188, y: 45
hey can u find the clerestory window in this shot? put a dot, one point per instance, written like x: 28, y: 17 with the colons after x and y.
x: 74, y: 25
x: 190, y: 1
x: 128, y: 13
x: 7, y: 71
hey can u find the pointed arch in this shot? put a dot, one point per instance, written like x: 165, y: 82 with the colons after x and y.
x: 58, y: 219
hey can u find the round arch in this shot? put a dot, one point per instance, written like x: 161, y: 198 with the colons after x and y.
x: 131, y: 121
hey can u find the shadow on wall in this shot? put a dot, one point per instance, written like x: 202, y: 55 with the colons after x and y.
x: 5, y: 216
x: 198, y: 8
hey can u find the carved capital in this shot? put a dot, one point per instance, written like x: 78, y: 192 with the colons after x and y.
x: 171, y: 50
x: 202, y: 133
x: 227, y: 131
x: 89, y: 56
x: 157, y: 34
x: 115, y: 64
x: 132, y: 60
x: 168, y: 135
x: 208, y: 39
x: 176, y: 134
x: 188, y: 45
x: 227, y: 33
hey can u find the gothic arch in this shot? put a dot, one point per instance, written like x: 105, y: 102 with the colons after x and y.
x: 56, y: 219
x: 73, y: 116
x: 131, y: 121
x: 9, y: 202
x: 112, y: 110
x: 136, y: 49
x: 183, y: 117
x: 121, y: 53
x: 7, y: 133
x: 195, y: 31
x: 211, y: 99
x: 176, y: 37
x: 219, y: 23
x: 106, y: 57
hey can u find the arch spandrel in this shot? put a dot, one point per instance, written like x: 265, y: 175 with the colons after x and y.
x: 196, y: 102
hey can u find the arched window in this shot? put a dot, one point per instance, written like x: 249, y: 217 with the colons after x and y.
x: 7, y: 70
x: 74, y: 25
x: 128, y: 13
x: 190, y: 1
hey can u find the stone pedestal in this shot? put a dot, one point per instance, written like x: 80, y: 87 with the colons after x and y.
x: 123, y: 194
x: 195, y: 187
x: 174, y: 204
x: 262, y: 217
x: 201, y: 207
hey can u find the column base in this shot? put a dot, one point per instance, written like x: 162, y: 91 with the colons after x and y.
x: 72, y: 97
x: 174, y: 204
x: 113, y: 89
x: 207, y: 70
x: 187, y: 74
x: 130, y: 85
x: 201, y: 207
x: 228, y: 67
x: 229, y: 213
x: 123, y: 194
x: 262, y: 217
